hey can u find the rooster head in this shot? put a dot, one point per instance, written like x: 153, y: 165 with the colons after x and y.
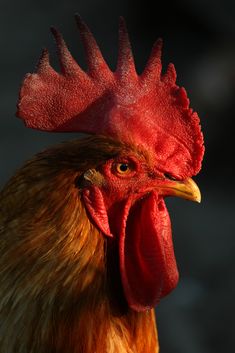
x: 162, y: 149
x: 125, y: 199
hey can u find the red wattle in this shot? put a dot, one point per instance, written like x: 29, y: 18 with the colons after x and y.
x: 95, y: 205
x: 147, y: 261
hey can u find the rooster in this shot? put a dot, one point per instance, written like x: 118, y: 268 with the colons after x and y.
x: 85, y: 236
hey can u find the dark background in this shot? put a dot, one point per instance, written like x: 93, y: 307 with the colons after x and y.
x: 199, y: 38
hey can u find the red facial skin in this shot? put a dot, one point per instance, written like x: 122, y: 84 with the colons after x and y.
x: 130, y: 207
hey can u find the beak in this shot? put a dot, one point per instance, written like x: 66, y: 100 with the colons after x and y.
x: 186, y: 189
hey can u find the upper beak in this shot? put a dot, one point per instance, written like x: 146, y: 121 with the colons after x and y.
x: 186, y: 189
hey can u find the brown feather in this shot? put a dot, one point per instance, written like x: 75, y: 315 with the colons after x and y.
x: 57, y: 284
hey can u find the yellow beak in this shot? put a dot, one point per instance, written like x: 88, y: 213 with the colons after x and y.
x: 186, y: 189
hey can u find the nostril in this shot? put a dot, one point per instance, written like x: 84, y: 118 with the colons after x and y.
x: 169, y: 176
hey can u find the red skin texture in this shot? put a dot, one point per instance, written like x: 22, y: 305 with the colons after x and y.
x: 124, y: 207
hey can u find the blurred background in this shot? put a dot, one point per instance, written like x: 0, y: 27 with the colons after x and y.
x: 199, y: 38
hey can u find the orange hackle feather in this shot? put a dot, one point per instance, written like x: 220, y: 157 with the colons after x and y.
x: 56, y: 293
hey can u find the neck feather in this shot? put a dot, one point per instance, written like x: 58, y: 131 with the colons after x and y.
x: 56, y: 274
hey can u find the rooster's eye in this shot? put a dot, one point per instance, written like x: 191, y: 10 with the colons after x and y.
x: 123, y: 168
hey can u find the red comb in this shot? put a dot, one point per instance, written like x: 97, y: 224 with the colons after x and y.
x: 149, y: 110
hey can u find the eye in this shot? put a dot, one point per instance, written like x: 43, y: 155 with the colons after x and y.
x: 123, y: 168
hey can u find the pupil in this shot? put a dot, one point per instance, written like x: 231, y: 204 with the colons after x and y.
x: 124, y: 167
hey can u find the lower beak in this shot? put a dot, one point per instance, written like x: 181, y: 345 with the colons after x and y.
x: 186, y: 189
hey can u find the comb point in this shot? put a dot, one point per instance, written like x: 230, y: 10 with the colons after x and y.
x: 97, y: 67
x: 67, y: 63
x: 43, y: 65
x: 125, y: 64
x: 170, y: 75
x: 153, y: 68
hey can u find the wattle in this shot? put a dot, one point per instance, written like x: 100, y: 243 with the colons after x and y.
x: 147, y: 262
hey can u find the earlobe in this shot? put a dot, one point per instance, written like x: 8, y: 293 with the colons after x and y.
x: 90, y: 177
x: 94, y: 177
x: 95, y: 205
